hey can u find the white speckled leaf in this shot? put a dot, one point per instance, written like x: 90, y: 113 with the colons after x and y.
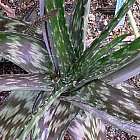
x: 12, y: 25
x: 17, y: 111
x: 123, y: 107
x: 43, y: 108
x: 55, y: 121
x: 43, y: 124
x: 25, y: 82
x: 60, y: 36
x: 18, y: 27
x: 14, y: 113
x: 87, y: 127
x: 47, y: 36
x: 62, y: 116
x: 79, y: 25
x: 26, y: 53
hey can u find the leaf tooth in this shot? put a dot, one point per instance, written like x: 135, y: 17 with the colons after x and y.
x: 85, y: 6
x: 66, y: 24
x: 35, y: 112
x: 63, y: 5
x: 28, y: 120
x: 40, y: 108
x: 83, y: 17
x: 42, y: 104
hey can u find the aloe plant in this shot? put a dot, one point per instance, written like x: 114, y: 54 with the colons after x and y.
x: 67, y: 87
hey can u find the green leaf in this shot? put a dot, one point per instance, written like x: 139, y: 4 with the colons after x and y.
x: 79, y: 25
x: 89, y: 53
x: 115, y: 102
x: 15, y: 111
x: 60, y: 36
x: 48, y: 38
x: 86, y: 21
x: 117, y: 59
x: 27, y: 53
x: 109, y: 48
x: 101, y: 53
x: 111, y: 61
x: 26, y: 82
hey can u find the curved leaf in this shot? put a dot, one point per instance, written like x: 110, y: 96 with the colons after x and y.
x: 125, y: 73
x: 109, y: 48
x: 42, y: 109
x: 86, y: 15
x: 40, y: 130
x: 14, y: 113
x: 89, y: 53
x: 113, y: 61
x: 123, y: 105
x: 62, y: 116
x: 118, y: 59
x: 101, y: 53
x: 85, y: 126
x: 25, y: 52
x: 25, y: 82
x: 18, y: 27
x: 126, y: 126
x: 55, y: 121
